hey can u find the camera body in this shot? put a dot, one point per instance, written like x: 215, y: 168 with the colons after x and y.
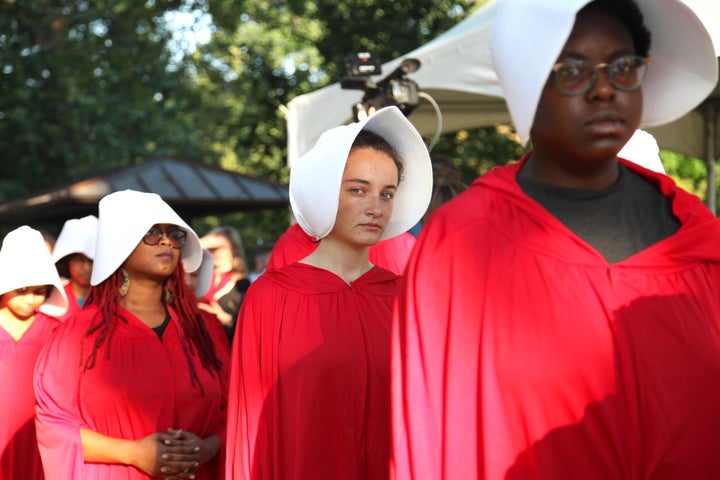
x: 395, y: 89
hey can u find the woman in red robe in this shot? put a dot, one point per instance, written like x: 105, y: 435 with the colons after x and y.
x: 134, y: 385
x: 30, y: 291
x: 561, y: 318
x: 73, y: 255
x: 309, y: 394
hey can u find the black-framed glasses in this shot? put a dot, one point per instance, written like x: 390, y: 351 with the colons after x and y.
x: 576, y: 76
x: 175, y: 236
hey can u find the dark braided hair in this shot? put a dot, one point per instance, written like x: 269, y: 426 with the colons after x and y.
x: 106, y: 296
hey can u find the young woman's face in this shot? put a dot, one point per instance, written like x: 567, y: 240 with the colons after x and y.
x: 154, y: 261
x: 80, y: 269
x: 367, y: 191
x: 584, y: 130
x: 24, y: 302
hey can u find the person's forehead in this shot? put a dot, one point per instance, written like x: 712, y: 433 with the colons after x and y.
x: 599, y: 24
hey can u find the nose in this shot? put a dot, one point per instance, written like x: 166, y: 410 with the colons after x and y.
x: 165, y: 239
x: 373, y: 207
x: 31, y: 298
x: 602, y: 89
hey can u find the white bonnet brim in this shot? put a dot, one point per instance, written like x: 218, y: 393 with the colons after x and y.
x: 642, y: 149
x: 77, y: 236
x: 528, y: 35
x: 316, y: 177
x: 25, y: 261
x: 124, y: 218
x: 205, y: 274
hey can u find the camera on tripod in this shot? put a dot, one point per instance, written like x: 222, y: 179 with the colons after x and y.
x: 395, y: 89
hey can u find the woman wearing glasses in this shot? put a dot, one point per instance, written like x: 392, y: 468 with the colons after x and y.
x: 134, y: 385
x: 577, y: 332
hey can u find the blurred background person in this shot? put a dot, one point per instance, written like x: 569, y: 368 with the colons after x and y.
x: 260, y: 261
x: 134, y: 385
x: 73, y: 255
x: 31, y: 297
x: 230, y: 277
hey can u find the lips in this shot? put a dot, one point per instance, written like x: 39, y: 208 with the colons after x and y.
x: 167, y: 254
x: 371, y: 226
x: 606, y: 123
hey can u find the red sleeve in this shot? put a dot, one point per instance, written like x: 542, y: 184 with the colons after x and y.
x: 58, y: 419
x: 249, y: 388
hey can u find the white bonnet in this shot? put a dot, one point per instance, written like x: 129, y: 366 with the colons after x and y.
x: 316, y: 177
x: 528, y: 36
x: 24, y: 262
x: 124, y: 218
x: 77, y: 236
x: 205, y: 273
x: 642, y: 149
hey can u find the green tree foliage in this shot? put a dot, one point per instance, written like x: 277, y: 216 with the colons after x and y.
x: 86, y: 86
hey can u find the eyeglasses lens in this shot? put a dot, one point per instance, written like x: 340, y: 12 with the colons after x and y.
x: 575, y: 77
x: 176, y: 237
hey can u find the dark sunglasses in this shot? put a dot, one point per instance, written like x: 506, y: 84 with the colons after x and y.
x: 175, y: 236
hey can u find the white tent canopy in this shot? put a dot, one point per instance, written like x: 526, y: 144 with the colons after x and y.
x: 456, y: 70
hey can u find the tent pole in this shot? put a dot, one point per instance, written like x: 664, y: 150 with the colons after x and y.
x: 711, y: 154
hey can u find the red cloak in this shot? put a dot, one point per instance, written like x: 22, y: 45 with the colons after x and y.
x: 309, y: 391
x: 144, y: 386
x: 520, y: 353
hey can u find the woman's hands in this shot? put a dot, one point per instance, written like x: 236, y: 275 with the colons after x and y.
x: 174, y: 455
x: 184, y: 452
x: 215, y: 308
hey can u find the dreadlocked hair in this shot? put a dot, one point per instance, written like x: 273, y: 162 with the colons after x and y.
x: 106, y: 296
x: 196, y: 339
x: 191, y: 321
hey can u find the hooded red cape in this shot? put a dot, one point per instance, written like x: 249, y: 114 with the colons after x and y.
x: 520, y: 353
x: 310, y: 384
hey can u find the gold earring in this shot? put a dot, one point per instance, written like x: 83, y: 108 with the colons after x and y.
x: 167, y: 294
x: 125, y: 286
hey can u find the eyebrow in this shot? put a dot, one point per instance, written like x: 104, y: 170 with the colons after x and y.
x: 365, y: 182
x: 580, y: 56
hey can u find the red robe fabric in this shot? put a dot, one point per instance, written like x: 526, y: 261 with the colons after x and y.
x: 294, y: 245
x: 520, y: 353
x: 73, y: 306
x: 142, y: 388
x: 19, y: 455
x: 310, y: 383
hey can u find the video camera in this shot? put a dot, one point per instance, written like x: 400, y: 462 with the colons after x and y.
x: 395, y: 89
